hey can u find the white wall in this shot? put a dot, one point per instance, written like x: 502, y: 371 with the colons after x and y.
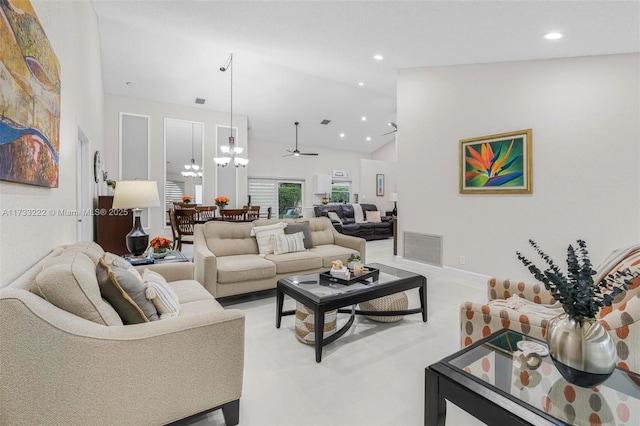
x: 386, y: 152
x: 158, y: 111
x: 71, y: 28
x: 585, y: 116
x: 370, y: 168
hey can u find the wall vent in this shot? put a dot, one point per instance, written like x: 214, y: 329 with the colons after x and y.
x: 325, y: 122
x: 424, y: 248
x: 200, y: 101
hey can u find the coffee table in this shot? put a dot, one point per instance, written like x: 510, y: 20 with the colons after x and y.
x: 322, y: 296
x: 488, y: 381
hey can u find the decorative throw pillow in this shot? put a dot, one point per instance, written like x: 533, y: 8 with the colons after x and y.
x: 161, y: 294
x: 287, y: 243
x: 294, y: 228
x: 263, y: 236
x: 334, y: 216
x: 373, y: 217
x: 121, y: 285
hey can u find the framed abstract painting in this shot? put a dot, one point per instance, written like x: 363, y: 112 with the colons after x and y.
x: 379, y: 185
x: 29, y: 99
x: 496, y: 164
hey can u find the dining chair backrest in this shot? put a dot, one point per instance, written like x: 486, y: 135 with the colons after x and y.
x: 182, y: 206
x: 185, y: 221
x: 206, y: 212
x: 174, y: 225
x: 252, y: 212
x: 232, y: 214
x: 265, y: 214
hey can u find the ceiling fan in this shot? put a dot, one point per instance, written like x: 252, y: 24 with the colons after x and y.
x: 296, y: 152
x: 395, y: 128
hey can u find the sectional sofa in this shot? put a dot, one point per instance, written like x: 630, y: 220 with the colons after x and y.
x: 229, y: 258
x: 345, y: 223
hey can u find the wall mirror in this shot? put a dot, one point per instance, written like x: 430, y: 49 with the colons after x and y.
x: 183, y: 148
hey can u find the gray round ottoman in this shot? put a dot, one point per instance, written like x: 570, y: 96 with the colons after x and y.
x: 393, y: 302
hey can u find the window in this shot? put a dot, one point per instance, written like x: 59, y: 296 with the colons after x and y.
x: 340, y: 192
x: 283, y: 196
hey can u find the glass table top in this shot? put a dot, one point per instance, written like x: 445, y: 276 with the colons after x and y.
x: 317, y: 289
x: 496, y: 362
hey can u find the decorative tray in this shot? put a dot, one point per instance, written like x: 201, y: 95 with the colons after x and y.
x: 370, y: 276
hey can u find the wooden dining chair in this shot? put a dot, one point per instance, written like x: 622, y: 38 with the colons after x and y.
x: 252, y: 212
x: 184, y: 224
x: 174, y: 229
x: 178, y: 205
x: 205, y: 213
x: 233, y: 215
x: 266, y: 214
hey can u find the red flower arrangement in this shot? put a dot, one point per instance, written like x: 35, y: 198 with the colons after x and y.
x: 187, y: 198
x: 160, y: 244
x: 222, y: 202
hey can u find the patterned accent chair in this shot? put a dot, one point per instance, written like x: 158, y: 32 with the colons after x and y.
x: 621, y: 319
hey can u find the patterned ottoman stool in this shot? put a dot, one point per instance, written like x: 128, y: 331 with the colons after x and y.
x: 393, y: 302
x: 305, y: 324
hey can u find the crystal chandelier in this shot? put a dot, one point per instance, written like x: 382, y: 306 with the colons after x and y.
x: 192, y: 170
x: 231, y: 152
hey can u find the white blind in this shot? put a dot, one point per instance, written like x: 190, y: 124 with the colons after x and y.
x: 264, y: 193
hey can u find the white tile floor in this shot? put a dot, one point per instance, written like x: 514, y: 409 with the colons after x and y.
x: 373, y: 375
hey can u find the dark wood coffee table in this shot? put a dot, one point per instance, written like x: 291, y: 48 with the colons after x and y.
x: 322, y: 296
x: 488, y: 381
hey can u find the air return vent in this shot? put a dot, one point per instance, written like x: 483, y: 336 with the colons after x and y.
x: 200, y: 101
x: 423, y: 248
x: 325, y: 122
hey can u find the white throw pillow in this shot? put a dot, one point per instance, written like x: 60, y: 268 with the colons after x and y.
x: 288, y: 243
x: 334, y: 216
x: 263, y: 236
x: 161, y: 294
x: 373, y: 217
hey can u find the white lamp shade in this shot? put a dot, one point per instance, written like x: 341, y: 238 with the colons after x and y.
x: 393, y: 196
x: 136, y: 194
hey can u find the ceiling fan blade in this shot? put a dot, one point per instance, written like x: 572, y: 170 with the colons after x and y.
x: 308, y: 153
x: 388, y: 133
x: 287, y: 155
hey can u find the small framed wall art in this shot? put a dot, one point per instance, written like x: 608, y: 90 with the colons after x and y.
x: 497, y: 164
x: 380, y: 185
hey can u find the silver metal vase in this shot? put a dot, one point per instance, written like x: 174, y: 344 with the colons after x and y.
x: 584, y: 353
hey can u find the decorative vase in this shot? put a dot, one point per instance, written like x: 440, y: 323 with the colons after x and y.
x: 584, y: 353
x: 221, y: 205
x: 160, y: 252
x: 325, y: 199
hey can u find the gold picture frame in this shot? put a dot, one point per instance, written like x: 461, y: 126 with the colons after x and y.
x: 497, y: 164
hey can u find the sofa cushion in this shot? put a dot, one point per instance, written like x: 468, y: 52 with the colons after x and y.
x: 321, y: 231
x: 288, y: 243
x: 69, y: 282
x: 230, y: 238
x: 189, y: 291
x: 91, y: 249
x: 161, y: 294
x: 263, y: 236
x: 200, y: 306
x: 373, y: 217
x: 244, y: 267
x: 121, y: 285
x: 331, y: 252
x: 334, y: 216
x: 295, y: 262
x: 292, y: 228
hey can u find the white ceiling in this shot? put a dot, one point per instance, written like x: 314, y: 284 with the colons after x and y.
x: 302, y: 60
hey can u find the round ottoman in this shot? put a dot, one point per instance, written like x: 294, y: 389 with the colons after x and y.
x: 393, y: 302
x: 305, y: 324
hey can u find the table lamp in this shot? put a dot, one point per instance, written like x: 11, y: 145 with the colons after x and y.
x: 394, y: 197
x: 136, y: 195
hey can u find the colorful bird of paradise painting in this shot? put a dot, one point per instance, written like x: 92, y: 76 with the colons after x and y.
x: 496, y: 163
x: 29, y: 98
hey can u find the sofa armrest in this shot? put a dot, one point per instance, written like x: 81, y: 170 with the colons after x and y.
x: 503, y: 288
x: 151, y: 373
x: 206, y: 264
x: 171, y: 271
x: 354, y: 243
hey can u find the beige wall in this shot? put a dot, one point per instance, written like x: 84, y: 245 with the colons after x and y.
x: 585, y: 116
x: 72, y: 31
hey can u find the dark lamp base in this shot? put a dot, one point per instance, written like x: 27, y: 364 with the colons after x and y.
x: 137, y: 239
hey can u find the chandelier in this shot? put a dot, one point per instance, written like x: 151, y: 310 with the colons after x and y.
x: 192, y: 170
x: 231, y: 152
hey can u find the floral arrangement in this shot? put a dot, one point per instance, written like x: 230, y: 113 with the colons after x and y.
x: 187, y: 198
x: 222, y: 202
x: 160, y: 244
x: 580, y: 296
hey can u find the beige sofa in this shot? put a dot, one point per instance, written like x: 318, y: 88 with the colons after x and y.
x: 59, y: 368
x: 227, y: 259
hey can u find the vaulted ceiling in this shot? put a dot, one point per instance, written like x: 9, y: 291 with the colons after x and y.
x: 302, y: 60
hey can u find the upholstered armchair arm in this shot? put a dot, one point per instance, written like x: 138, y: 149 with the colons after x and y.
x: 171, y: 271
x: 206, y: 265
x: 355, y: 243
x: 503, y: 288
x: 80, y: 372
x: 478, y: 321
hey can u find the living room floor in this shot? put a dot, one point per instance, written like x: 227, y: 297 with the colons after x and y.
x: 372, y: 375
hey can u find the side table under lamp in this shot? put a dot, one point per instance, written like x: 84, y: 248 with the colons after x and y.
x: 136, y: 195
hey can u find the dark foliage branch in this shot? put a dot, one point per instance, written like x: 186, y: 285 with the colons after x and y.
x: 580, y: 297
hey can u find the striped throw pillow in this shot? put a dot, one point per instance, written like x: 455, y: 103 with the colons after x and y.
x: 288, y: 243
x: 161, y: 294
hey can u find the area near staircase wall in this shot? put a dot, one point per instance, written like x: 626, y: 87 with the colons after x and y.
x: 585, y: 116
x: 72, y: 30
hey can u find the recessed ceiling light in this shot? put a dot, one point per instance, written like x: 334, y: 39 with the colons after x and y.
x: 553, y: 36
x: 360, y: 83
x: 368, y: 138
x: 378, y: 57
x: 342, y: 135
x: 364, y: 118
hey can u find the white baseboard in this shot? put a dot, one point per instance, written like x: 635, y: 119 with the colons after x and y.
x: 473, y: 277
